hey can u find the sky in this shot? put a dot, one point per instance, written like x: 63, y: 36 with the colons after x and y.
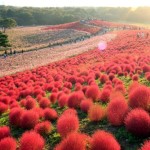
x: 76, y: 3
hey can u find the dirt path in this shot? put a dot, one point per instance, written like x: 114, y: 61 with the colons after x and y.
x: 29, y: 60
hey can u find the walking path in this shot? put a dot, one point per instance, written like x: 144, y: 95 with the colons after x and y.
x: 33, y: 59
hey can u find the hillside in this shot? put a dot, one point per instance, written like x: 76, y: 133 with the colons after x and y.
x: 92, y: 94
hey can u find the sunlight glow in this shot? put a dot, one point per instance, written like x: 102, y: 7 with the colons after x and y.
x: 102, y: 45
x: 76, y: 3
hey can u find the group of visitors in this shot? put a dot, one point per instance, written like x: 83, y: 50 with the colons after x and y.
x: 11, y: 52
x: 142, y: 35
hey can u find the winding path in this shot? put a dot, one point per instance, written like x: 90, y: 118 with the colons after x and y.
x: 33, y: 59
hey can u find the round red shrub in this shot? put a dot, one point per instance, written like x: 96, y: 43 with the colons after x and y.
x: 50, y: 114
x: 44, y: 102
x: 8, y: 143
x: 132, y: 86
x: 38, y: 92
x: 5, y: 99
x: 66, y: 124
x: 111, y: 76
x: 62, y: 101
x: 39, y: 111
x: 31, y: 141
x: 86, y: 104
x: 135, y: 77
x: 102, y: 140
x: 3, y: 108
x: 23, y: 103
x: 146, y: 68
x: 73, y: 141
x: 148, y: 77
x: 66, y: 91
x: 103, y: 78
x: 15, y: 116
x: 68, y: 85
x: 75, y: 99
x: 70, y: 111
x: 120, y: 88
x: 93, y: 92
x: 140, y: 97
x: 4, y: 132
x: 78, y: 87
x: 72, y: 79
x: 30, y: 103
x: 53, y: 97
x: 138, y: 122
x: 29, y: 119
x: 104, y: 97
x: 116, y: 111
x: 96, y: 113
x: 146, y: 145
x: 43, y: 127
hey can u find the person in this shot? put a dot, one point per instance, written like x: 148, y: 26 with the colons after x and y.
x: 147, y: 35
x: 138, y: 35
x: 5, y: 54
x: 142, y: 34
x: 11, y: 52
x: 14, y: 51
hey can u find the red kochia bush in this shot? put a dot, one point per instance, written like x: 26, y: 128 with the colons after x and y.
x: 70, y: 111
x: 62, y: 101
x: 3, y: 108
x: 103, y: 78
x: 4, y: 132
x: 53, y: 97
x: 30, y: 103
x: 75, y: 99
x: 86, y: 104
x: 146, y: 146
x: 15, y: 116
x: 148, y: 76
x: 43, y: 127
x: 92, y: 92
x: 29, y: 119
x: 31, y: 141
x: 8, y: 143
x: 96, y: 113
x: 39, y: 111
x: 102, y: 140
x: 78, y: 87
x: 104, y: 97
x: 74, y: 141
x: 117, y: 109
x: 146, y: 68
x: 5, y: 99
x: 50, y: 114
x: 67, y: 123
x: 132, y: 86
x: 44, y: 102
x: 138, y: 122
x: 135, y: 77
x: 140, y: 97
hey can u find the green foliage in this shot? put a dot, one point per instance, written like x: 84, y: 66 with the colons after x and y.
x: 44, y: 16
x: 7, y: 23
x: 4, y: 40
x: 4, y: 119
x: 52, y: 139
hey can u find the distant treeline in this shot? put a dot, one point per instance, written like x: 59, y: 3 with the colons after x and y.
x: 25, y: 16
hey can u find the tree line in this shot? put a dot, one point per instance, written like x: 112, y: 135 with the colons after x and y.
x: 26, y: 16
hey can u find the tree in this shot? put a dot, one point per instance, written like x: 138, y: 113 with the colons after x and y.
x: 7, y: 23
x: 4, y: 40
x: 25, y: 18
